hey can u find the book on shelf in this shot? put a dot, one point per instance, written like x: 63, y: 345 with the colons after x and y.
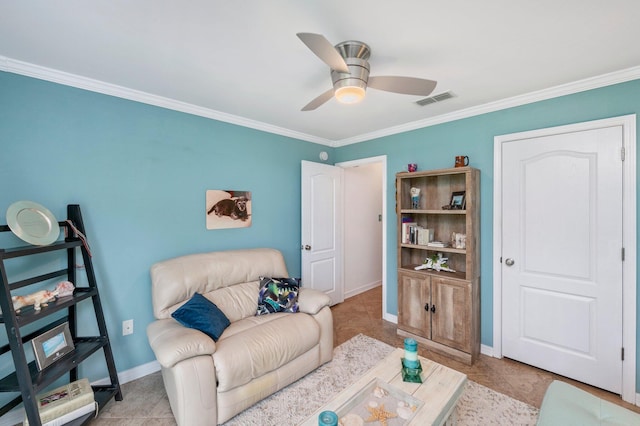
x: 425, y: 236
x: 65, y: 403
x: 437, y: 244
x: 66, y: 418
x: 412, y: 233
x: 408, y: 228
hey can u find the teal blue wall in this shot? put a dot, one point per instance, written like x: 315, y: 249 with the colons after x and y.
x: 435, y: 147
x: 140, y: 174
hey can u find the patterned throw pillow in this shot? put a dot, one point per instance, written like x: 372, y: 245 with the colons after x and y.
x: 278, y: 295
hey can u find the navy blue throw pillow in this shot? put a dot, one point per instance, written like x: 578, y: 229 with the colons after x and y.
x: 202, y: 314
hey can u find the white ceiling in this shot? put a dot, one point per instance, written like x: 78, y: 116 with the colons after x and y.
x: 240, y: 61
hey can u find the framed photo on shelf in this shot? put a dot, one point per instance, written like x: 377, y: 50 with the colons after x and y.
x: 458, y: 201
x: 52, y: 345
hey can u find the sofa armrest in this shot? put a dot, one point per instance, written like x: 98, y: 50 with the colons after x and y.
x: 171, y: 342
x: 310, y: 301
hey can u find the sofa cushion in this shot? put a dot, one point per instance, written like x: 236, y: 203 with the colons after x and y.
x: 257, y: 345
x: 202, y: 314
x: 278, y: 295
x: 238, y: 301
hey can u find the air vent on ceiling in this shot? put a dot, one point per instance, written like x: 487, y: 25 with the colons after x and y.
x: 436, y: 98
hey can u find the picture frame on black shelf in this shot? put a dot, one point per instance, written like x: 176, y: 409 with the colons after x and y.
x: 52, y: 345
x: 458, y: 200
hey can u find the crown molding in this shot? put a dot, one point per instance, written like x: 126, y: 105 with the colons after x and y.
x: 73, y: 80
x: 80, y: 82
x: 609, y: 79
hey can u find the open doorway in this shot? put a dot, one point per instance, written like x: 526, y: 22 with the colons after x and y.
x: 365, y: 226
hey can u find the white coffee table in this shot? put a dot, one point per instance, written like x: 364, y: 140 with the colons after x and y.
x: 440, y: 389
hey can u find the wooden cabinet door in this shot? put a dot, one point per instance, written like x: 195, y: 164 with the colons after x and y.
x: 413, y: 304
x: 451, y: 316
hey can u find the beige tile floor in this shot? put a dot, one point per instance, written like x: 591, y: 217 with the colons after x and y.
x: 145, y: 402
x: 363, y: 314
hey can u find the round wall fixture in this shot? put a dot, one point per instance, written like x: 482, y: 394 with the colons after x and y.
x: 324, y: 156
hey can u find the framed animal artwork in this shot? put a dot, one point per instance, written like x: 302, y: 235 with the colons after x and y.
x: 228, y: 209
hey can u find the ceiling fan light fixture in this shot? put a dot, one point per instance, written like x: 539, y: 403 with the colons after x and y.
x: 349, y: 94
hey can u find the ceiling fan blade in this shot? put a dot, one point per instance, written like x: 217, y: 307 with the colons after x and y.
x: 318, y: 101
x: 404, y: 85
x: 324, y: 50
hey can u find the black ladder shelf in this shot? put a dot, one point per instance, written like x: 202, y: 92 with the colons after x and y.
x: 26, y: 378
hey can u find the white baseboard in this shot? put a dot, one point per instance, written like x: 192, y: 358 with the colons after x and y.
x: 486, y: 350
x: 132, y: 373
x: 391, y: 318
x: 362, y: 289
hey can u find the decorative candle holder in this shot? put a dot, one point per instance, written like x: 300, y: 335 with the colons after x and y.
x: 412, y: 375
x: 411, y: 367
x: 328, y: 418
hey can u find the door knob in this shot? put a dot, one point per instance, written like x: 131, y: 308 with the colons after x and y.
x: 509, y: 262
x: 307, y: 247
x: 426, y: 307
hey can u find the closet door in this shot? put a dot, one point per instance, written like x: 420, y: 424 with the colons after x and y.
x: 562, y: 254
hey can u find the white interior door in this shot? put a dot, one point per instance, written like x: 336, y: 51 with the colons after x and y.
x: 322, y: 229
x: 562, y: 254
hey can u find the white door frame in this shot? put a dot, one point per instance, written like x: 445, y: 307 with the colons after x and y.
x: 379, y: 159
x: 629, y: 217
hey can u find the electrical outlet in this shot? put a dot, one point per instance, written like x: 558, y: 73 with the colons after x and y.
x: 127, y: 327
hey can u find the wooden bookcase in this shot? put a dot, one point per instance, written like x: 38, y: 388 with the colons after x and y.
x: 27, y: 380
x: 441, y: 310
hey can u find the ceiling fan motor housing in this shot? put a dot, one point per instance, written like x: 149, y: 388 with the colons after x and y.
x: 355, y: 54
x: 358, y: 74
x: 354, y: 49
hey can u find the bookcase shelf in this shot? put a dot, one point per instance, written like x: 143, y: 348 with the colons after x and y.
x: 28, y: 316
x: 26, y: 378
x: 84, y: 347
x: 436, y: 249
x: 440, y: 309
x: 435, y: 212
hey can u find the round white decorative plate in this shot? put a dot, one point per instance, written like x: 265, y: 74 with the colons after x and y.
x: 32, y: 223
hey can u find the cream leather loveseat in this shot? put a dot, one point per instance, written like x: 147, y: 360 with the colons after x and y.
x: 209, y: 382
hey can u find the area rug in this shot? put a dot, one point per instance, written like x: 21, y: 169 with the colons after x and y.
x: 478, y: 404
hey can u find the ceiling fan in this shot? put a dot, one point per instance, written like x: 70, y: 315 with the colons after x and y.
x: 350, y: 72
